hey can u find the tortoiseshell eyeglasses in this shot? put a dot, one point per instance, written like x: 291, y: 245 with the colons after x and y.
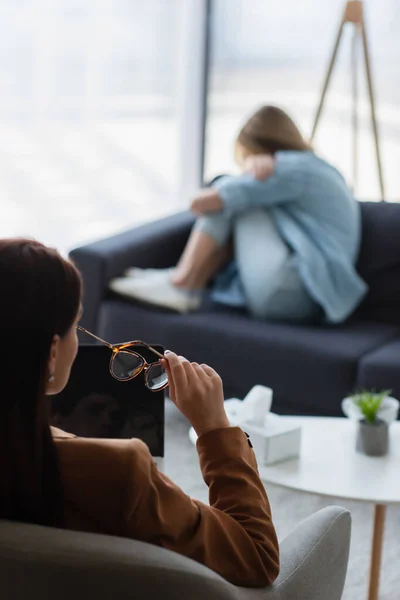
x: 125, y: 363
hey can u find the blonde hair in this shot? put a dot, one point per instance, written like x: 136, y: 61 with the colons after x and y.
x: 269, y: 130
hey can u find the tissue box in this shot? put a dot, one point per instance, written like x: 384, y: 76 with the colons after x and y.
x: 275, y: 441
x: 272, y: 436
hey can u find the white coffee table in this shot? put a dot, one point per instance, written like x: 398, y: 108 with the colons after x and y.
x: 330, y: 466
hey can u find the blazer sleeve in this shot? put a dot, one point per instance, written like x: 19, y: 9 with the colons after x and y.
x: 234, y: 536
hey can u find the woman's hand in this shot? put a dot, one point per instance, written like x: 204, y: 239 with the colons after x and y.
x: 197, y: 391
x: 260, y: 166
x: 207, y: 200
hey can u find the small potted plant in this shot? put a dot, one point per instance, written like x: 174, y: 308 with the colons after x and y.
x: 373, y: 432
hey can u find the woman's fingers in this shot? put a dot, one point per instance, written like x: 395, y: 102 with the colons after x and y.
x: 264, y: 166
x: 197, y: 391
x: 191, y: 372
x: 178, y: 373
x: 195, y: 371
x: 199, y: 372
x: 209, y: 371
x: 184, y: 377
x: 260, y: 166
x: 171, y: 384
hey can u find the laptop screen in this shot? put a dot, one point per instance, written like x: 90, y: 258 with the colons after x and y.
x: 94, y: 404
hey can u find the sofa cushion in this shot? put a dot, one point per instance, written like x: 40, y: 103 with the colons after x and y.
x: 380, y: 369
x: 310, y: 368
x: 379, y: 261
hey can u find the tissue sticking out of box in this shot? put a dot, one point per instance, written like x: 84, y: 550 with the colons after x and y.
x: 256, y: 405
x: 274, y: 438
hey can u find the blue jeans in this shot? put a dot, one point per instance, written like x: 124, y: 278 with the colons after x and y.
x: 267, y: 272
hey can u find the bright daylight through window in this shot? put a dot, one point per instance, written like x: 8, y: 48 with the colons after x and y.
x: 92, y: 138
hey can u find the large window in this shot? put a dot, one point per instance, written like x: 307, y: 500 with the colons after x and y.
x: 277, y: 53
x: 88, y: 116
x: 102, y: 102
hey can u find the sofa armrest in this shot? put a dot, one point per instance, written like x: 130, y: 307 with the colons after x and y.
x: 155, y: 244
x: 314, y: 559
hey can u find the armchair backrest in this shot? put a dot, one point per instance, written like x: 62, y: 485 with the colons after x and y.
x: 41, y: 563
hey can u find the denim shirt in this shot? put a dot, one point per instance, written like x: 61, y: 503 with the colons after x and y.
x: 319, y: 219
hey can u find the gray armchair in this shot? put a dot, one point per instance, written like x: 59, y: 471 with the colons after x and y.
x: 39, y: 563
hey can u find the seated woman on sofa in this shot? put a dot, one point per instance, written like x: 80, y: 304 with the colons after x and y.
x: 113, y: 487
x: 291, y: 224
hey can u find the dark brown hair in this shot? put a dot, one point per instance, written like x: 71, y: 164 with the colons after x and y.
x: 40, y: 297
x: 269, y: 130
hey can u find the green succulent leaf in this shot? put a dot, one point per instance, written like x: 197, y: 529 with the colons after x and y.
x: 369, y: 403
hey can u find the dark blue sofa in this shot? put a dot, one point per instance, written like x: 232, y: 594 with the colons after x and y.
x: 310, y: 368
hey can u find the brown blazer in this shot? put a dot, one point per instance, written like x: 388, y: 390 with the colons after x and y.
x: 114, y: 487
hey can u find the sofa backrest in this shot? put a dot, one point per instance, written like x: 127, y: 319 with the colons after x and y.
x: 379, y: 261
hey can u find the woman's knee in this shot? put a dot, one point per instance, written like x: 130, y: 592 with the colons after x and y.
x: 217, y: 226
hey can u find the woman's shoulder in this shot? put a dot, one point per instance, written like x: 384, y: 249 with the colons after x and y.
x: 292, y: 162
x: 98, y: 475
x: 308, y: 164
x: 98, y: 456
x: 294, y: 158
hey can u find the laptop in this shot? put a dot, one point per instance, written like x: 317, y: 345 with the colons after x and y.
x: 95, y: 405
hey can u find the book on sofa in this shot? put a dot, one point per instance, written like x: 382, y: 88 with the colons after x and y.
x: 95, y: 405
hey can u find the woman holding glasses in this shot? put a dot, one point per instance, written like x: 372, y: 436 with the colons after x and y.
x: 113, y: 487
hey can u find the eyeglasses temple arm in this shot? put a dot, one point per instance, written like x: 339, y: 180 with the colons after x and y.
x: 113, y: 346
x: 140, y: 343
x: 96, y: 337
x: 152, y: 349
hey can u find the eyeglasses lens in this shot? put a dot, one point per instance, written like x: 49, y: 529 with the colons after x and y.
x: 156, y: 377
x: 126, y: 365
